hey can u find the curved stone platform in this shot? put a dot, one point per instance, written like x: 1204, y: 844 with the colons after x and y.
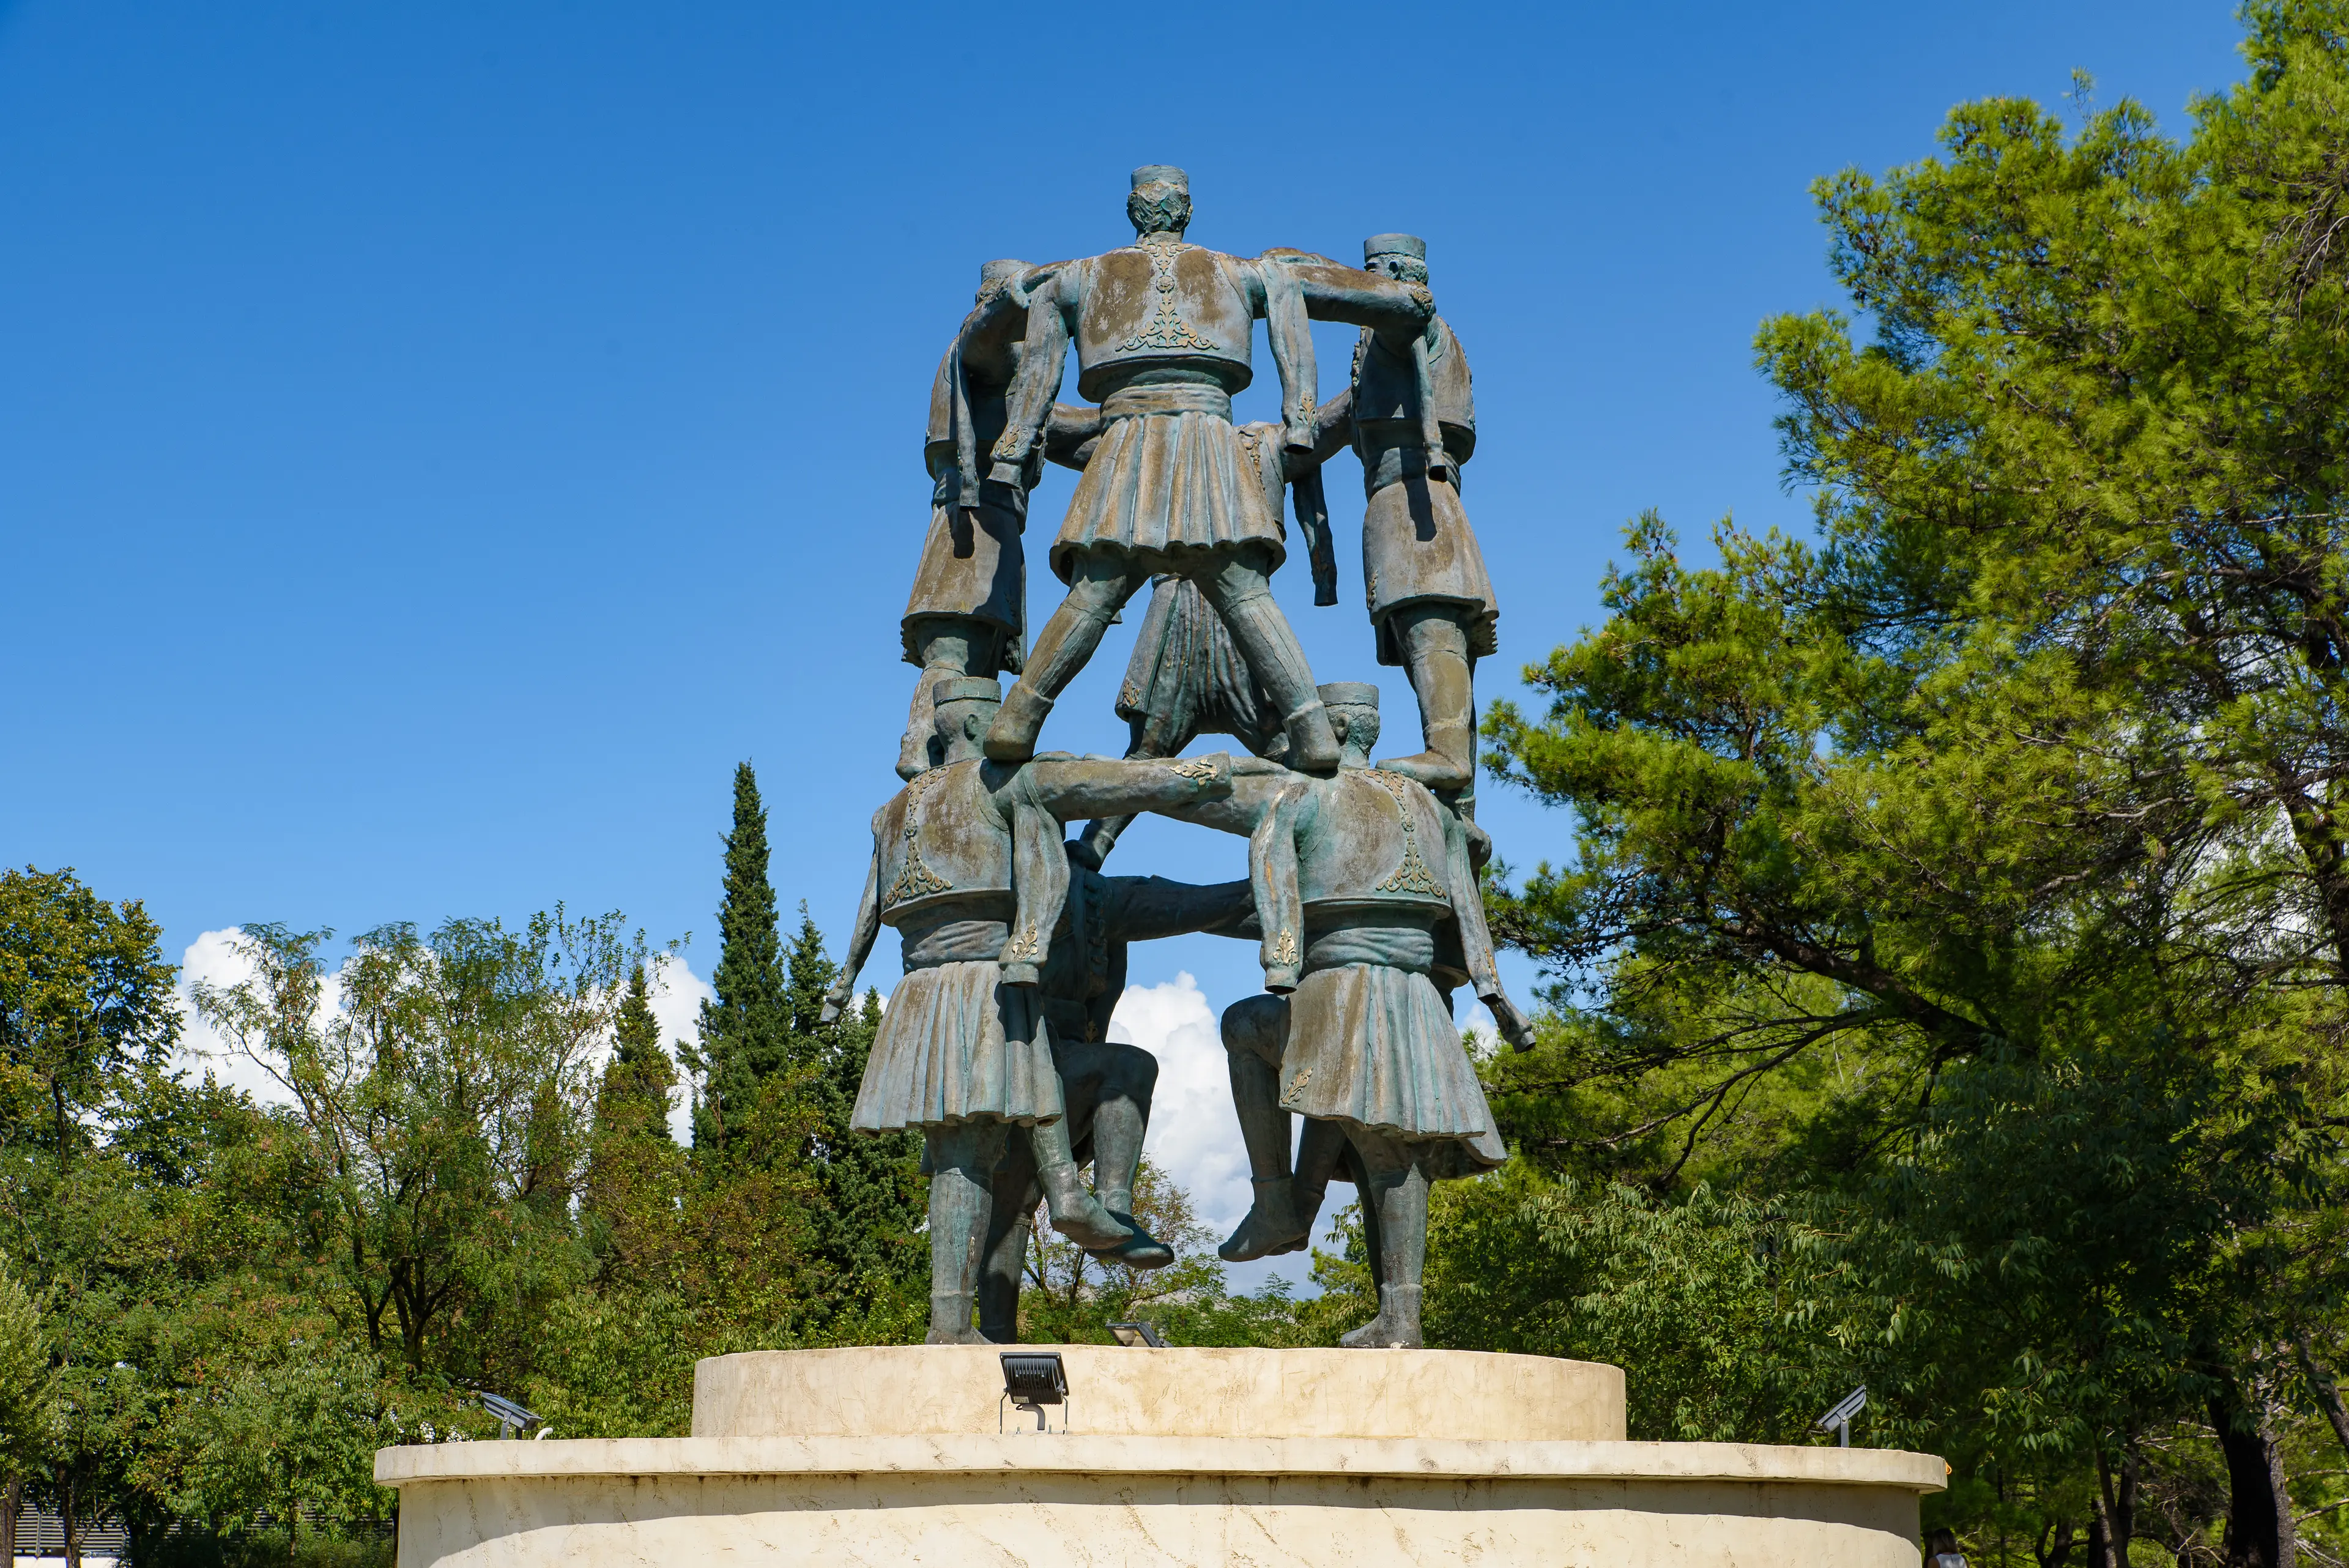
x: 909, y: 1390
x: 1212, y: 1493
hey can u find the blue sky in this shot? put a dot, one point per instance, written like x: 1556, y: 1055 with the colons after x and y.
x: 436, y: 441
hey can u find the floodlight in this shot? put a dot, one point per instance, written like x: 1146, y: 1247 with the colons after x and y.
x: 512, y: 1417
x: 1839, y: 1420
x: 1032, y: 1380
x: 1134, y: 1336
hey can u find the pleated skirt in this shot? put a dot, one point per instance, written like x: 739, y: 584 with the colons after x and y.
x: 1167, y: 488
x: 972, y: 568
x: 957, y: 1046
x: 1186, y: 677
x: 1417, y: 548
x: 1372, y: 1046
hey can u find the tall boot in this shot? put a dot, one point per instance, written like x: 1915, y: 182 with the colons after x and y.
x: 1118, y: 1128
x: 1435, y: 654
x: 1012, y: 737
x: 1101, y: 584
x: 959, y: 1210
x: 1076, y: 1213
x: 1398, y: 1187
x: 922, y: 722
x: 1004, y: 1270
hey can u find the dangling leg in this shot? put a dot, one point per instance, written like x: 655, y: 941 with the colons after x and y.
x: 1125, y: 1077
x: 1004, y: 1268
x: 1239, y: 591
x: 1433, y: 640
x: 1394, y: 1194
x: 963, y: 1158
x: 1104, y: 580
x: 1076, y: 1213
x: 1255, y: 1033
x: 949, y: 645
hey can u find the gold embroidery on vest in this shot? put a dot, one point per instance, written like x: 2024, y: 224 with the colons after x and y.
x: 1412, y: 875
x: 1166, y: 330
x: 915, y: 879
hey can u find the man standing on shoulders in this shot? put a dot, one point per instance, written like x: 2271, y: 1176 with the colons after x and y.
x: 1162, y: 330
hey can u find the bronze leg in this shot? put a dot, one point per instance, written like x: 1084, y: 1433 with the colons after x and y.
x: 1394, y: 1197
x: 1014, y: 1194
x: 1255, y: 1033
x: 1103, y: 581
x: 962, y: 1163
x: 1239, y: 591
x: 1433, y: 640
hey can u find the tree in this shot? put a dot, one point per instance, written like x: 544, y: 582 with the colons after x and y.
x: 1979, y: 871
x: 84, y: 997
x: 441, y: 1093
x: 867, y: 1225
x: 27, y: 1399
x: 637, y: 1082
x: 745, y: 1030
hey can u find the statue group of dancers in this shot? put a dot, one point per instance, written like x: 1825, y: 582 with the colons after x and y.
x: 1362, y: 889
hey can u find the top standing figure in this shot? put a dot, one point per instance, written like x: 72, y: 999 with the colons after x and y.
x: 1162, y: 330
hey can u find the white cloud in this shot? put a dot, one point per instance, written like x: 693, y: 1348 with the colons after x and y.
x: 677, y: 994
x: 1195, y: 1134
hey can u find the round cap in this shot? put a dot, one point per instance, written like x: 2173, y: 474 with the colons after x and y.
x: 1160, y: 174
x: 967, y: 688
x: 1379, y: 245
x: 1349, y: 694
x: 999, y: 270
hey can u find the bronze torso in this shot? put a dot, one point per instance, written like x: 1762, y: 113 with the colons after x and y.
x: 1386, y: 397
x: 1162, y: 304
x: 1375, y: 842
x: 945, y: 849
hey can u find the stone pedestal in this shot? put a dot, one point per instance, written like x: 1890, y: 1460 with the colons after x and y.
x: 894, y: 1456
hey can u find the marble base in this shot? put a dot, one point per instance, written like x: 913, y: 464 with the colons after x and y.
x: 1260, y: 1468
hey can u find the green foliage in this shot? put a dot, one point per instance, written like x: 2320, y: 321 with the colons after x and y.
x: 27, y: 1381
x: 84, y: 997
x: 1969, y: 883
x: 873, y: 1204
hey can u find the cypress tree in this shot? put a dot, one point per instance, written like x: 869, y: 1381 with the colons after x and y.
x: 746, y: 1031
x: 637, y: 1083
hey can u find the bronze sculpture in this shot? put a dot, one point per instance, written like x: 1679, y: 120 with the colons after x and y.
x: 1362, y: 887
x: 1162, y: 330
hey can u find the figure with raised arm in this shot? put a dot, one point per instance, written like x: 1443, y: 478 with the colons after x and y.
x: 968, y: 865
x: 968, y: 613
x: 1162, y: 330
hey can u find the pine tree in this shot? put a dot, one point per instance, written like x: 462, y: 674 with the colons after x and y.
x: 746, y: 1031
x: 637, y: 1083
x: 873, y: 1200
